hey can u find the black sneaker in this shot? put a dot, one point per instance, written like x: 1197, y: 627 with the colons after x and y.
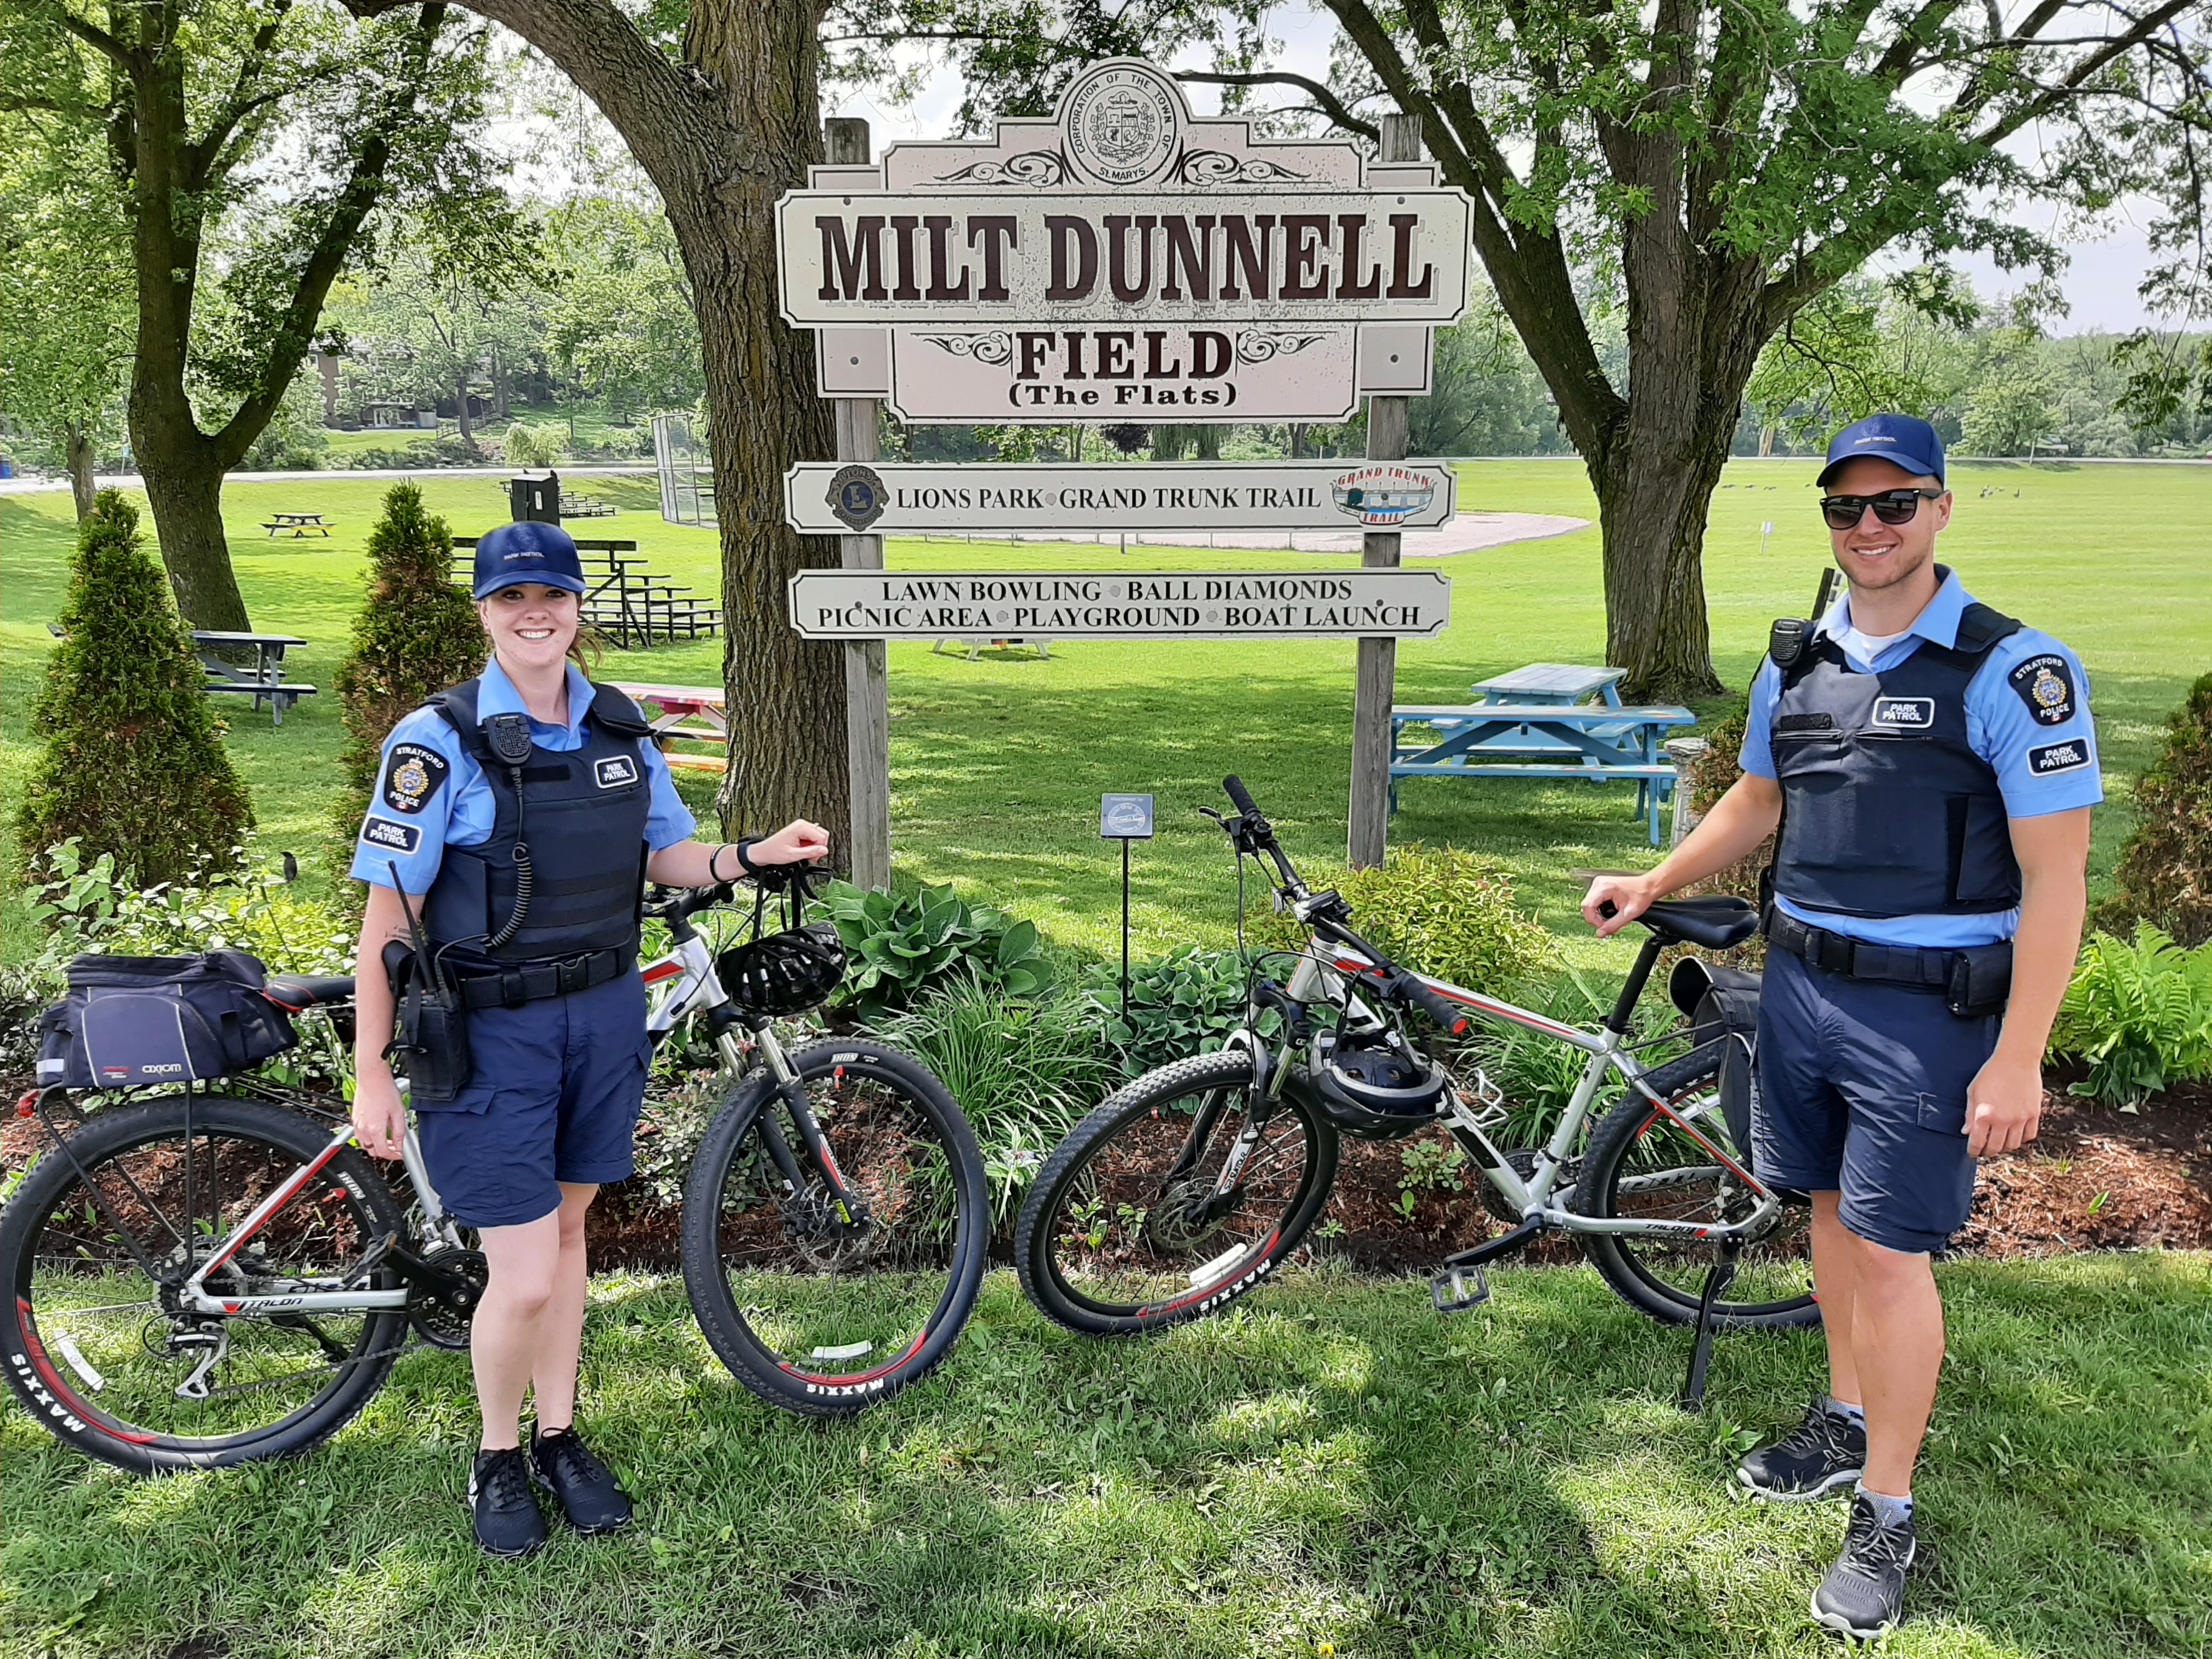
x: 1864, y: 1594
x: 563, y: 1464
x: 507, y: 1518
x: 1825, y: 1453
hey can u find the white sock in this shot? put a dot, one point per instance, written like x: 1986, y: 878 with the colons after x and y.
x: 1856, y: 1413
x: 1893, y: 1511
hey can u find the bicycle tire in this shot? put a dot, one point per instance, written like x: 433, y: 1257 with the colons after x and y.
x: 898, y: 1182
x: 40, y: 1261
x: 1041, y: 1230
x: 1633, y: 1143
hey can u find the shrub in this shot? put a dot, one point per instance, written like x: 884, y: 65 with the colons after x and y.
x: 1537, y: 1075
x: 416, y: 634
x: 133, y: 764
x: 532, y: 446
x: 2165, y: 872
x: 902, y: 945
x: 1711, y: 775
x: 1024, y: 1072
x: 2140, y: 1013
x: 1448, y: 914
x: 1184, y: 1003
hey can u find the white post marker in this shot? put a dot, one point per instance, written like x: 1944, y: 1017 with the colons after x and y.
x: 1125, y: 818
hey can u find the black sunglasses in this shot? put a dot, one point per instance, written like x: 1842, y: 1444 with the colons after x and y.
x: 1890, y: 506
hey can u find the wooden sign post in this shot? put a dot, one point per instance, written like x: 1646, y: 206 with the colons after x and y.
x: 1368, y: 820
x: 867, y: 684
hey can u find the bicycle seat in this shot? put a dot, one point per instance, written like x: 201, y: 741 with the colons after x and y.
x: 1716, y: 923
x: 293, y: 992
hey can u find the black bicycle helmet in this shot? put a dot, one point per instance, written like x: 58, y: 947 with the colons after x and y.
x: 1373, y: 1087
x: 787, y: 972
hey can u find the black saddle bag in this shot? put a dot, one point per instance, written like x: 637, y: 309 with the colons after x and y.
x: 1723, y: 1004
x: 128, y: 1021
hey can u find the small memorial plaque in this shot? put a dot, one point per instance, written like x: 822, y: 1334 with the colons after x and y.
x: 1125, y: 818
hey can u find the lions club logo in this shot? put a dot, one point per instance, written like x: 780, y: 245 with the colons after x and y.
x: 1124, y: 124
x: 856, y: 496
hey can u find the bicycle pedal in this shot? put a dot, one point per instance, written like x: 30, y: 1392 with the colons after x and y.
x: 1452, y: 1293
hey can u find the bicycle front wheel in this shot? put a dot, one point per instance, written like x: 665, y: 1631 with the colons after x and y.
x: 818, y: 1312
x: 1644, y: 1163
x: 99, y: 1238
x: 1139, y: 1220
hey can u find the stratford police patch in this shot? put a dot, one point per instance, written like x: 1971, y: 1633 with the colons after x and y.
x: 394, y: 837
x: 614, y: 772
x: 2059, y: 757
x: 412, y: 774
x: 2045, y: 684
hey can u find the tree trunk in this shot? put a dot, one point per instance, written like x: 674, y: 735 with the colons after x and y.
x: 461, y: 407
x: 184, y: 487
x: 1208, y: 447
x: 78, y: 454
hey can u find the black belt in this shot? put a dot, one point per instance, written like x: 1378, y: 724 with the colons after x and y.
x: 534, y: 981
x: 1976, y: 980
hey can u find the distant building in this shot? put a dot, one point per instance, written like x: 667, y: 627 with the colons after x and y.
x: 384, y: 418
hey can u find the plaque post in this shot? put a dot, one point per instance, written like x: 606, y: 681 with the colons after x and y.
x: 868, y: 691
x: 1368, y: 821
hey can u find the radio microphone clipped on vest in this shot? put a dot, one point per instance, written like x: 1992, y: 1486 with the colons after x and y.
x: 1785, y: 640
x: 510, y: 740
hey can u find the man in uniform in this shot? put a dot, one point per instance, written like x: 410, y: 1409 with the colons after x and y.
x: 1931, y: 765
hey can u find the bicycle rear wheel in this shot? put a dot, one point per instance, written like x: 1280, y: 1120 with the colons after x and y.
x: 1125, y: 1231
x: 1642, y: 1163
x: 97, y: 1241
x: 812, y: 1313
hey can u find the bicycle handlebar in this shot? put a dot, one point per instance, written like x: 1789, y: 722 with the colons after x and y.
x: 1240, y: 795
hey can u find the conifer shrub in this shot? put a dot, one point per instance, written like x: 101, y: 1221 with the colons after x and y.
x: 132, y: 763
x: 417, y: 633
x: 2165, y: 872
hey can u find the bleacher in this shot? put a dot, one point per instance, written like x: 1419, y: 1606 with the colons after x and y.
x: 629, y: 605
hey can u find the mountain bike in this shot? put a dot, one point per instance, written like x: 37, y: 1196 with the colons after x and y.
x: 1185, y: 1189
x: 204, y: 1277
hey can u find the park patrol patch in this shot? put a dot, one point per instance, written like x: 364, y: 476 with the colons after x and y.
x: 1912, y: 714
x: 397, y: 837
x: 2045, y: 684
x: 2059, y: 757
x: 614, y: 772
x: 412, y: 774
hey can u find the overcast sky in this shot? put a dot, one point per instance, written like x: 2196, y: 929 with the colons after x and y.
x: 2099, y: 283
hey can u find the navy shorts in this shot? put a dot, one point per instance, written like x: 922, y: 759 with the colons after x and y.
x: 555, y: 1089
x: 1862, y: 1091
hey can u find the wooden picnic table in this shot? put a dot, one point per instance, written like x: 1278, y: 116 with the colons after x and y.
x: 298, y: 523
x: 1597, y: 743
x: 696, y: 713
x: 1553, y: 682
x: 264, y: 679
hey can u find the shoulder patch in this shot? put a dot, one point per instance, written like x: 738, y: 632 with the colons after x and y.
x: 616, y: 772
x: 2044, y: 683
x: 2066, y: 757
x: 413, y: 772
x: 397, y: 837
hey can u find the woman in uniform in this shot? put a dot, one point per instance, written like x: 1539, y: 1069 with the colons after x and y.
x: 520, y: 813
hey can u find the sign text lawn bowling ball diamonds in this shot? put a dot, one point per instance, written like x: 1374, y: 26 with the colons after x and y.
x: 824, y: 498
x: 848, y: 604
x: 1123, y: 261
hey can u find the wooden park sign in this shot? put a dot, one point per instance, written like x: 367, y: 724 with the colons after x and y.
x: 835, y: 498
x: 1119, y: 604
x: 1123, y: 260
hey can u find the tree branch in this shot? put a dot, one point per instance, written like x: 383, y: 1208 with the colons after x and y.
x: 99, y: 39
x: 1328, y: 102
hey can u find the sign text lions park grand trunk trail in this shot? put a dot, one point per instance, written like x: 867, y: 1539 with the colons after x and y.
x: 1123, y: 260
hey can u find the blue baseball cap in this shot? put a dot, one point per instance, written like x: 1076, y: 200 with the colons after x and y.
x: 1904, y: 440
x: 527, y: 552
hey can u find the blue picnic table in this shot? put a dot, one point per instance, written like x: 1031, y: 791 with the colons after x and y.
x: 1532, y: 724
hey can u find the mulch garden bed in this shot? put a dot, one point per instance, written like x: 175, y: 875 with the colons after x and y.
x: 2095, y: 1179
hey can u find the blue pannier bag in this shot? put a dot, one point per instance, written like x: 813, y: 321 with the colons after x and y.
x: 131, y: 1021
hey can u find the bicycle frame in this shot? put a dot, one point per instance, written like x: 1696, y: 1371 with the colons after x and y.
x: 1328, y: 970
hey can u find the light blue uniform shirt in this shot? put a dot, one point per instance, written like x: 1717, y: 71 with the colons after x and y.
x: 458, y: 811
x: 2043, y: 745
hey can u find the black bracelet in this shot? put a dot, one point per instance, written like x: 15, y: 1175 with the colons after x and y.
x: 713, y: 859
x: 744, y: 857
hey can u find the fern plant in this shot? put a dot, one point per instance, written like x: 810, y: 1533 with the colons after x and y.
x: 2140, y: 1011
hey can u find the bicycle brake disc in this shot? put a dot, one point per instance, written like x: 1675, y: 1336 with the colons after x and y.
x: 436, y: 1319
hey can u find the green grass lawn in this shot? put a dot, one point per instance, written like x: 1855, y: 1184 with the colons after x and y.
x: 998, y: 764
x: 1334, y: 1467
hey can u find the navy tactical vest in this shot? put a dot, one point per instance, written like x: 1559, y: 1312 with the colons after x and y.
x: 1887, y: 809
x: 582, y: 814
